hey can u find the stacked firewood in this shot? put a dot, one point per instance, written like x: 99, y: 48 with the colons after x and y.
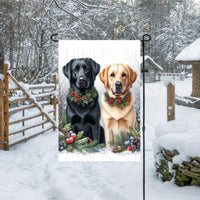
x: 184, y: 174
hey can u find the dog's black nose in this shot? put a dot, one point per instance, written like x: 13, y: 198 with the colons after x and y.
x: 118, y: 85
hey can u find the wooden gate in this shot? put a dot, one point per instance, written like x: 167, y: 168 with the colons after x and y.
x: 25, y: 110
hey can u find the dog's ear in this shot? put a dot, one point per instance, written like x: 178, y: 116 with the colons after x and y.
x: 132, y: 76
x: 103, y: 75
x: 95, y: 67
x: 67, y: 69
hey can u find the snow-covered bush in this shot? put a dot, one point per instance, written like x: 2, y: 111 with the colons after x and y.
x: 177, y: 152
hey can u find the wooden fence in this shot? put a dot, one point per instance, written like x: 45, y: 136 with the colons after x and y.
x: 20, y: 115
x: 175, y: 76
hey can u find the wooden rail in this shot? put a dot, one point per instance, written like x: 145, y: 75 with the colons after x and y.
x: 6, y: 106
x: 32, y: 136
x: 25, y: 128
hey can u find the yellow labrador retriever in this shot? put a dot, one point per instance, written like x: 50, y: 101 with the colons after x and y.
x: 117, y: 112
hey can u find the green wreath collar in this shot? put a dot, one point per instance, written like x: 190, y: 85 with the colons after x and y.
x: 120, y: 102
x: 80, y: 99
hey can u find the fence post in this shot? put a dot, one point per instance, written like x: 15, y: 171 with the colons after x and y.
x: 170, y: 102
x: 42, y: 108
x: 1, y: 114
x: 6, y: 106
x: 54, y: 100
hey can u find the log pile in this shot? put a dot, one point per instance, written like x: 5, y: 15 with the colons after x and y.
x: 185, y: 174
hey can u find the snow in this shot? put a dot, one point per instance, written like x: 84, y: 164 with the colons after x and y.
x: 190, y: 53
x: 104, y: 155
x: 7, y: 63
x: 168, y: 81
x: 180, y: 135
x: 1, y: 77
x: 32, y: 171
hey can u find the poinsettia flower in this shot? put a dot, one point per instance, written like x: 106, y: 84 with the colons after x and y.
x: 110, y: 101
x: 72, y: 94
x: 79, y: 99
x: 77, y: 96
x: 119, y: 101
x: 128, y: 98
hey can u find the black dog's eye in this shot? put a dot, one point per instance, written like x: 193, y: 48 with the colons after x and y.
x: 76, y: 69
x: 123, y: 74
x: 112, y: 75
x: 86, y: 69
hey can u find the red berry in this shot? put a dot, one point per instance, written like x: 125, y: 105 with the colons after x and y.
x: 71, y: 140
x: 73, y: 136
x: 68, y: 140
x: 90, y: 140
x: 129, y: 148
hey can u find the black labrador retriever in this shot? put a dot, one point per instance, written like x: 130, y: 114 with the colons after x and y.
x: 83, y: 110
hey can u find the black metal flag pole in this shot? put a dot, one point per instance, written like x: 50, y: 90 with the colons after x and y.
x: 145, y: 38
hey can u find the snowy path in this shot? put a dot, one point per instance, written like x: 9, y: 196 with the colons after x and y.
x: 32, y: 171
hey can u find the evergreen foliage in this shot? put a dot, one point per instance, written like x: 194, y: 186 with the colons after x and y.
x: 79, y: 143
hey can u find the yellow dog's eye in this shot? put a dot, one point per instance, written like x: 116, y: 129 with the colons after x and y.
x: 112, y: 75
x: 123, y: 75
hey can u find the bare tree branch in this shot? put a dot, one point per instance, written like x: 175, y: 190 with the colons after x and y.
x: 67, y: 11
x: 91, y: 6
x: 47, y: 13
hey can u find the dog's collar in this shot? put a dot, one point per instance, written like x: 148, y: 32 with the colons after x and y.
x: 80, y: 99
x: 121, y: 102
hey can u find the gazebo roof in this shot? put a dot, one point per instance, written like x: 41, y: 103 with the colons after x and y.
x: 191, y: 54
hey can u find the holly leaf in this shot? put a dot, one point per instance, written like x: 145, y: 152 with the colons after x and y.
x: 100, y: 145
x: 69, y: 147
x: 79, y: 135
x: 67, y: 127
x: 93, y: 143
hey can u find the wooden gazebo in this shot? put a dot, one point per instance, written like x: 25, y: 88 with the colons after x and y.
x: 191, y: 56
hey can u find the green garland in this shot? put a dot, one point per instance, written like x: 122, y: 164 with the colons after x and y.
x: 121, y: 102
x: 80, y: 99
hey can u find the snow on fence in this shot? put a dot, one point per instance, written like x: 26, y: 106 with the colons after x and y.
x: 175, y: 76
x: 25, y: 110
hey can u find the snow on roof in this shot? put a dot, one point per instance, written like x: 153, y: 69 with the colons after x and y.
x: 190, y: 53
x: 152, y: 61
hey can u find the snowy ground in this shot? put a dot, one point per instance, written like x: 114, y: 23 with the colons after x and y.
x: 32, y: 171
